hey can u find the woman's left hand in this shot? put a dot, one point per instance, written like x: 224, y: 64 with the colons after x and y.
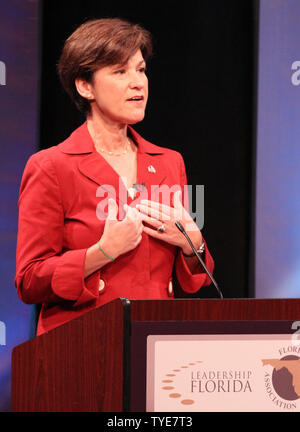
x: 164, y: 217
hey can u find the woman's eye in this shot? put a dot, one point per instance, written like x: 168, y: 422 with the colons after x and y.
x: 143, y: 69
x: 120, y: 71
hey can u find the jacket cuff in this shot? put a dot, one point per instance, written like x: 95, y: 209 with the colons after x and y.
x: 68, y: 278
x: 192, y: 282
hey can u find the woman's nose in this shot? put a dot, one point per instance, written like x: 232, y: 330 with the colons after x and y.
x: 136, y: 81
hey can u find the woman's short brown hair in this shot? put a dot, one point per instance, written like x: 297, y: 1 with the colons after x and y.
x: 95, y: 44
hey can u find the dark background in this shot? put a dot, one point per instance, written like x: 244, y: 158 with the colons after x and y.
x: 201, y: 103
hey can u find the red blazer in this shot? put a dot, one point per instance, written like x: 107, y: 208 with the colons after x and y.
x: 62, y: 191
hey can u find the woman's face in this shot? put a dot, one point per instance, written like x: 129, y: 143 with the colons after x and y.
x: 120, y: 93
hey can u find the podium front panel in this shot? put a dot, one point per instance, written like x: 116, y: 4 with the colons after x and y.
x: 215, y: 366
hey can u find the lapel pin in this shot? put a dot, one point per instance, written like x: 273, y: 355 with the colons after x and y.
x: 151, y: 169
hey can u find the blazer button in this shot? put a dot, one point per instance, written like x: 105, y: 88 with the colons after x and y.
x: 101, y: 286
x: 170, y: 288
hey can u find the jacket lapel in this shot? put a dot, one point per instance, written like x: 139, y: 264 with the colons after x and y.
x: 151, y: 171
x: 97, y: 169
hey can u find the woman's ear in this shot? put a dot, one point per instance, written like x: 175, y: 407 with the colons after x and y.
x: 84, y: 88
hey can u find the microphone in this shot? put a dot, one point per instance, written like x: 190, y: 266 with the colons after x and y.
x: 180, y: 227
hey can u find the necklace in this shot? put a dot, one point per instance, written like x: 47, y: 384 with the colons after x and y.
x: 116, y: 154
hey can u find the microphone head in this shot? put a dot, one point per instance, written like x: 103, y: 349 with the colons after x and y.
x: 179, y: 226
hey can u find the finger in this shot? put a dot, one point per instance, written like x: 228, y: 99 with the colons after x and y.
x: 181, y: 213
x: 139, y: 240
x: 135, y: 212
x: 112, y: 209
x: 128, y: 211
x: 163, y: 208
x: 152, y: 232
x: 141, y: 229
x: 151, y: 221
x: 132, y: 213
x: 152, y: 212
x: 178, y: 199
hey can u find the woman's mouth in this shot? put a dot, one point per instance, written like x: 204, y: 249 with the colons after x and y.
x: 136, y: 99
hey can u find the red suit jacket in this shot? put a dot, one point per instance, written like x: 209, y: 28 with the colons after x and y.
x: 61, y: 197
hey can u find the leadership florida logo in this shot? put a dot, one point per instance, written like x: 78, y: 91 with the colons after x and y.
x: 282, y: 378
x: 199, y: 381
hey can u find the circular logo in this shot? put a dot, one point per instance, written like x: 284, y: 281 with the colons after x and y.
x: 282, y: 380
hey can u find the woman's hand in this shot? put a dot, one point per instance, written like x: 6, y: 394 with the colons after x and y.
x: 161, y: 215
x: 120, y: 237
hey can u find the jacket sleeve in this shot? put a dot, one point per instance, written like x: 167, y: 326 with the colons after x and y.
x: 45, y: 273
x: 189, y: 282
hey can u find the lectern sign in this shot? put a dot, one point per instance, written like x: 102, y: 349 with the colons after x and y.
x: 231, y: 372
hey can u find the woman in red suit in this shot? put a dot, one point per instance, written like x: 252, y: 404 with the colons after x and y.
x: 97, y: 212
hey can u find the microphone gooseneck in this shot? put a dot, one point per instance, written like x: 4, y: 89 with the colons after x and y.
x: 181, y: 229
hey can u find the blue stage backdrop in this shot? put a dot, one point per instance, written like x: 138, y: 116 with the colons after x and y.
x: 278, y: 151
x: 19, y: 21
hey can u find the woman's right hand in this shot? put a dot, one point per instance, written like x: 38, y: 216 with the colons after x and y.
x: 122, y: 236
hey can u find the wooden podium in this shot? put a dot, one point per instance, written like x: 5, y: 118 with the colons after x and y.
x: 97, y: 361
